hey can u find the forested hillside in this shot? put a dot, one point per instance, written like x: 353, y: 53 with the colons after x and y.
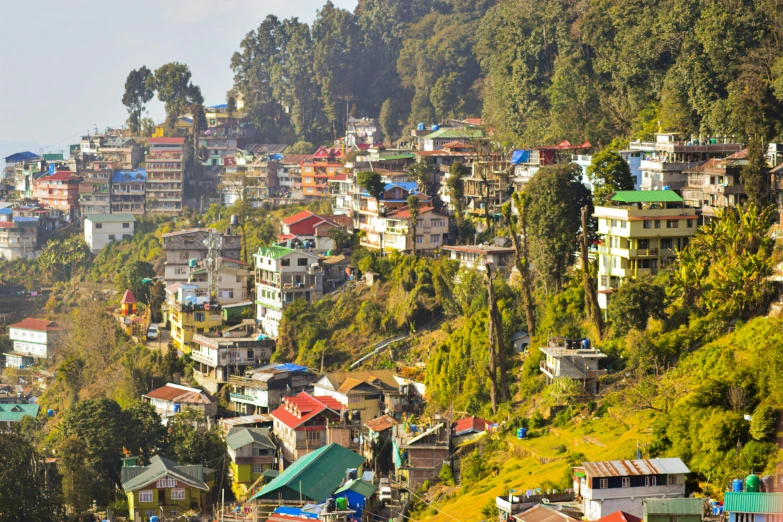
x: 537, y: 71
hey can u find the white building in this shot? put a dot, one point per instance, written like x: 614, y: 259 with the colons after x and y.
x: 172, y: 399
x: 572, y: 359
x: 284, y: 275
x: 476, y: 257
x: 33, y: 337
x: 622, y: 485
x: 102, y: 229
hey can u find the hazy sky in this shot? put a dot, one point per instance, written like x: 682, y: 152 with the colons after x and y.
x: 63, y: 63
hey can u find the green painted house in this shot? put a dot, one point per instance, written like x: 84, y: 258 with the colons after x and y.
x: 312, y: 477
x: 165, y: 488
x: 673, y: 509
x: 252, y: 453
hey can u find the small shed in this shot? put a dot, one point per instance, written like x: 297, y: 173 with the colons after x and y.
x: 128, y: 303
x: 359, y: 494
x: 673, y: 509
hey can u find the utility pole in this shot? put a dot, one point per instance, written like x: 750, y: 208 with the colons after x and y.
x: 591, y: 297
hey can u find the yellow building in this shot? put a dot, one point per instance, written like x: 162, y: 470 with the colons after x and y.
x: 165, y: 488
x: 641, y: 231
x: 252, y: 455
x: 191, y: 311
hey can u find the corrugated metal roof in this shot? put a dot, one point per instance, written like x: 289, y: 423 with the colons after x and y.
x: 359, y: 486
x: 747, y: 502
x: 627, y: 468
x: 646, y: 196
x: 15, y: 412
x: 673, y: 506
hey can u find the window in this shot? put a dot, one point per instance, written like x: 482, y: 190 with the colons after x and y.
x: 604, y: 483
x: 302, y: 261
x: 657, y: 223
x: 126, y: 225
x: 666, y: 243
x: 603, y: 281
x: 285, y: 262
x: 623, y: 223
x: 672, y: 223
x: 672, y: 480
x: 145, y: 496
x: 199, y: 316
x: 689, y: 223
x: 178, y: 494
x: 98, y: 225
x: 313, y: 436
x: 626, y: 482
x: 643, y: 244
x: 151, y: 513
x: 258, y: 468
x: 434, y: 238
x: 648, y: 223
x: 167, y: 482
x: 183, y: 256
x: 419, y: 240
x: 180, y: 270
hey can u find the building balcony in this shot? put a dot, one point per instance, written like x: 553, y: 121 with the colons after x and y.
x: 546, y: 369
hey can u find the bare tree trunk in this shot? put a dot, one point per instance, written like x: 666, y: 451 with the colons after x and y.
x: 592, y: 309
x: 522, y: 255
x: 495, y: 338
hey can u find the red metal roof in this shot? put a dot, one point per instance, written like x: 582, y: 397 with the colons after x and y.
x: 6, y: 224
x: 40, y: 325
x: 405, y: 213
x: 381, y: 423
x: 60, y: 175
x: 620, y: 516
x: 470, y: 423
x: 299, y: 409
x: 166, y: 141
x: 128, y: 298
x: 299, y: 216
x: 179, y: 394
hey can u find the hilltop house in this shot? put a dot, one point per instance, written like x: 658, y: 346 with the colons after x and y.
x: 622, y: 485
x: 18, y: 235
x: 306, y: 226
x: 183, y: 245
x: 33, y: 340
x: 102, y: 229
x: 14, y: 412
x: 252, y: 452
x: 172, y: 398
x: 128, y: 193
x: 164, y: 488
x: 165, y: 175
x: 572, y: 359
x: 476, y: 257
x: 419, y: 452
x: 301, y: 422
x: 59, y: 191
x: 190, y: 311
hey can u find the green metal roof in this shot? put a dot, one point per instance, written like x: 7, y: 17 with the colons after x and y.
x: 53, y: 157
x: 314, y: 476
x: 673, y: 506
x: 646, y: 196
x: 111, y: 218
x: 745, y: 502
x: 396, y: 157
x: 455, y: 133
x: 274, y: 251
x: 361, y: 487
x: 239, y: 437
x: 137, y: 477
x: 15, y: 412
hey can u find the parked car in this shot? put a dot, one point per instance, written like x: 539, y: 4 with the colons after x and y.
x: 153, y: 332
x: 385, y: 493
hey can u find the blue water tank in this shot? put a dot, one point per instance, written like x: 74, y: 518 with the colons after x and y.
x: 176, y: 408
x: 435, y: 127
x: 154, y: 518
x: 736, y: 485
x: 420, y: 126
x: 50, y: 413
x: 666, y: 187
x: 585, y: 344
x: 521, y: 433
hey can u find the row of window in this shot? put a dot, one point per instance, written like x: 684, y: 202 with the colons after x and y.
x: 648, y: 481
x: 100, y: 225
x: 176, y: 494
x: 670, y: 223
x: 434, y: 238
x: 302, y: 261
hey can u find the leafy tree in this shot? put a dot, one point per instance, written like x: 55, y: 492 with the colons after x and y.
x: 755, y: 174
x: 446, y: 475
x: 175, y: 89
x: 131, y: 277
x: 63, y: 258
x: 456, y: 190
x: 556, y: 196
x: 389, y: 119
x: 26, y: 494
x: 188, y: 444
x: 763, y: 424
x: 413, y: 208
x: 339, y: 236
x: 75, y: 471
x: 633, y: 304
x: 137, y: 94
x: 373, y: 184
x: 608, y: 172
x: 419, y: 171
x: 302, y: 147
x: 148, y: 435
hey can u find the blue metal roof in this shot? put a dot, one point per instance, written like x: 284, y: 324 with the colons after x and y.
x: 219, y: 106
x: 6, y: 211
x: 289, y: 367
x: 21, y: 156
x: 138, y: 175
x: 405, y: 185
x: 295, y: 512
x: 520, y: 156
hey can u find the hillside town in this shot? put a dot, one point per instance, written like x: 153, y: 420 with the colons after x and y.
x: 414, y: 299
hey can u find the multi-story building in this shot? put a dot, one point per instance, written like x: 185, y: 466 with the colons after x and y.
x: 371, y: 213
x: 32, y: 338
x: 716, y: 184
x: 219, y: 355
x: 673, y: 155
x: 123, y: 153
x: 191, y: 311
x: 232, y: 280
x: 183, y: 245
x: 312, y: 229
x: 251, y: 452
x: 641, y: 230
x: 343, y: 190
x: 166, y: 175
x: 128, y: 191
x: 301, y: 422
x: 489, y: 184
x: 365, y: 131
x: 572, y: 359
x: 526, y: 162
x: 633, y: 156
x: 171, y: 399
x: 442, y: 136
x: 289, y: 173
x: 59, y: 191
x: 21, y: 169
x: 432, y: 230
x: 284, y: 275
x: 316, y: 173
x: 18, y: 235
x: 94, y: 192
x: 102, y: 229
x: 476, y: 257
x: 622, y: 485
x: 261, y: 390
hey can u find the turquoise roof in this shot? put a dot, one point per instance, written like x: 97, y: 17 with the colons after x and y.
x: 15, y: 412
x: 274, y: 251
x: 359, y: 486
x: 751, y: 502
x: 239, y: 437
x: 455, y: 133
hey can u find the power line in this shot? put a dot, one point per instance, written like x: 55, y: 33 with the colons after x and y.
x: 418, y: 497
